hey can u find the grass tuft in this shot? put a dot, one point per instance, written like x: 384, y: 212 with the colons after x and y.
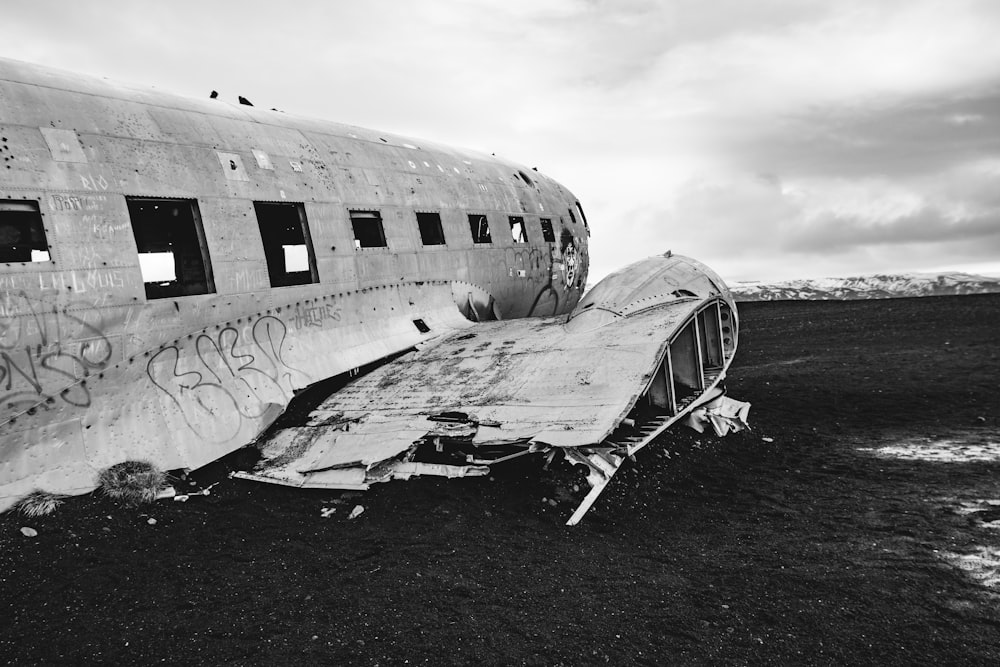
x: 134, y: 482
x: 39, y: 503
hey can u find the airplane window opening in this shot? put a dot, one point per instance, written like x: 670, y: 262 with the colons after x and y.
x: 572, y: 218
x: 22, y: 234
x: 685, y: 361
x: 711, y: 338
x: 431, y: 232
x: 480, y: 229
x: 725, y: 318
x: 368, y: 231
x: 547, y: 233
x: 583, y: 216
x: 421, y: 326
x: 517, y: 231
x: 173, y: 254
x: 525, y: 178
x: 288, y: 249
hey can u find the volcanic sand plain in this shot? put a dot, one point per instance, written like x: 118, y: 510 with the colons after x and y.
x: 858, y: 522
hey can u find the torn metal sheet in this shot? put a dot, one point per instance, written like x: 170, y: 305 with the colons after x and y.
x: 725, y: 415
x: 532, y: 376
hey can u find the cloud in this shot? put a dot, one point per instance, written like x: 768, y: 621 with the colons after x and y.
x: 774, y: 137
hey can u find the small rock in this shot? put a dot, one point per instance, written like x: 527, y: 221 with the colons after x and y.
x: 151, y: 521
x: 768, y: 439
x: 356, y: 512
x: 552, y: 501
x: 29, y: 532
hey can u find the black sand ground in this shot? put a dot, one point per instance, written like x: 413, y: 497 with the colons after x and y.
x: 796, y: 543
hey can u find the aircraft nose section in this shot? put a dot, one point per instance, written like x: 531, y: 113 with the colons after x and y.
x: 645, y: 284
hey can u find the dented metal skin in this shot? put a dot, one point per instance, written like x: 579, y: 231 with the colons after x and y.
x: 94, y: 370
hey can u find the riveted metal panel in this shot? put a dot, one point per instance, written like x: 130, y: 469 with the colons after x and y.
x: 64, y: 145
x: 232, y: 166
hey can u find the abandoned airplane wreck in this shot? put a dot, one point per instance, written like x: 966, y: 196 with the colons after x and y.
x: 173, y: 271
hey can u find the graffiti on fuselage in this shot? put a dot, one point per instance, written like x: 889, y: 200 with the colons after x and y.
x: 46, y: 349
x: 314, y: 316
x: 227, y: 378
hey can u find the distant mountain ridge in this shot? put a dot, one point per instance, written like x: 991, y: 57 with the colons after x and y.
x: 881, y: 286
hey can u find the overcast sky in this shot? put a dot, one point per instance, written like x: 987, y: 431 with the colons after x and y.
x: 771, y: 139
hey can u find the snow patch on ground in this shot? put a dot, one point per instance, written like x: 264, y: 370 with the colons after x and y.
x: 982, y: 565
x: 960, y: 449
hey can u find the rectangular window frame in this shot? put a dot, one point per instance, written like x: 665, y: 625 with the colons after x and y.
x: 187, y: 282
x: 20, y: 218
x: 430, y: 228
x: 476, y: 223
x: 518, y: 238
x: 548, y: 231
x: 361, y: 217
x: 274, y: 252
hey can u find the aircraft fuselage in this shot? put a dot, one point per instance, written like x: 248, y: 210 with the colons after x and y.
x: 173, y: 270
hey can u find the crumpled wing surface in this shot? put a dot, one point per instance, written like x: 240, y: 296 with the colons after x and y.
x: 523, y: 380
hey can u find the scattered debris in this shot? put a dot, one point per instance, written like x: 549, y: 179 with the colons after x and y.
x: 327, y: 512
x: 39, y: 503
x: 725, y: 415
x: 184, y: 497
x: 29, y: 532
x: 766, y: 439
x: 151, y: 521
x: 168, y: 492
x: 356, y: 512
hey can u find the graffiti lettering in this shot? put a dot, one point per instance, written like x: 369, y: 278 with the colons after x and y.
x: 89, y: 182
x: 77, y: 202
x: 249, y: 280
x: 104, y: 229
x: 228, y: 378
x: 314, y: 316
x: 45, y: 350
x: 81, y: 281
